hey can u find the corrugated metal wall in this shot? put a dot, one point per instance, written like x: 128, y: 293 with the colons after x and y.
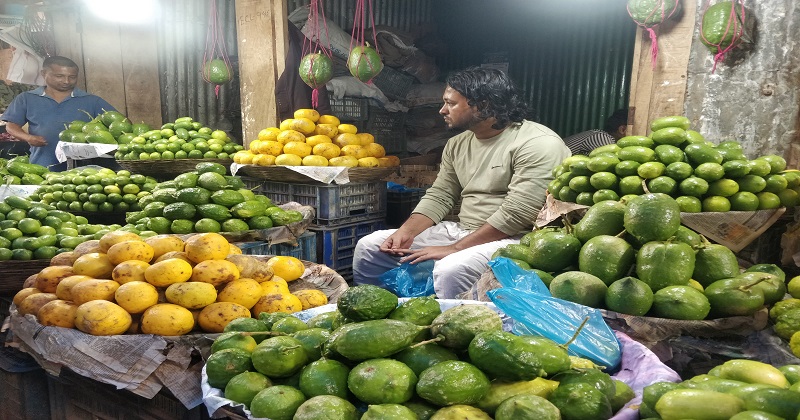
x: 181, y: 40
x: 572, y: 58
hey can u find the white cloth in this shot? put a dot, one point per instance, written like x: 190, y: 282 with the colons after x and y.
x: 452, y: 275
x: 26, y: 65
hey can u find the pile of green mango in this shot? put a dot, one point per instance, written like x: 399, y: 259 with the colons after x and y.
x: 110, y: 127
x: 20, y: 171
x: 374, y: 359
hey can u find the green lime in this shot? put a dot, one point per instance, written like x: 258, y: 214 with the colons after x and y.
x: 584, y: 198
x: 663, y: 184
x: 182, y: 226
x: 45, y: 253
x: 89, y: 207
x: 207, y: 225
x: 38, y: 213
x: 789, y: 198
x: 759, y: 167
x: 243, y: 387
x: 28, y: 226
x: 710, y: 171
x: 602, y: 163
x: 792, y: 178
x: 775, y: 183
x: 768, y: 200
x: 777, y: 163
x: 626, y: 168
x: 736, y: 168
x: 631, y: 185
x: 693, y: 186
x: 604, y: 180
x: 6, y: 254
x: 279, y: 357
x: 11, y: 233
x: 159, y: 224
x: 21, y: 254
x: 581, y: 184
x: 650, y: 170
x: 744, y: 201
x: 752, y: 183
x: 580, y: 167
x: 564, y: 194
x: 604, y: 195
x: 715, y: 203
x: 16, y: 214
x: 723, y: 187
x: 277, y: 402
x: 637, y: 154
x: 669, y: 154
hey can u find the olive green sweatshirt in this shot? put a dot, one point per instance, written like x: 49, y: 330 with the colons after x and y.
x: 501, y: 180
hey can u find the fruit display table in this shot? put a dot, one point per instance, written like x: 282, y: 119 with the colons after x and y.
x: 141, y: 363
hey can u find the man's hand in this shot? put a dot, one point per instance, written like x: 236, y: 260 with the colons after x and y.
x: 397, y: 243
x: 414, y: 256
x: 37, y: 141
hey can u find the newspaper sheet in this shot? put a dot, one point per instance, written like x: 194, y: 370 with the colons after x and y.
x: 79, y: 151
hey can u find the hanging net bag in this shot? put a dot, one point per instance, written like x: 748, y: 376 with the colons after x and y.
x: 649, y: 14
x: 216, y: 65
x: 364, y: 62
x: 316, y: 68
x: 725, y: 26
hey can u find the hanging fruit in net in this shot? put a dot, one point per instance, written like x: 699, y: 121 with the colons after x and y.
x: 364, y: 63
x: 217, y: 71
x: 725, y: 26
x: 649, y: 14
x: 217, y: 67
x: 316, y: 68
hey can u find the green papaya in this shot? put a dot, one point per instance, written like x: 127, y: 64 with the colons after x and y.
x: 371, y: 339
x: 501, y: 391
x: 458, y: 325
x: 502, y: 356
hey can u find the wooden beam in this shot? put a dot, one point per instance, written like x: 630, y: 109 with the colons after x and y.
x: 140, y: 73
x: 261, y: 36
x: 102, y: 59
x: 661, y: 91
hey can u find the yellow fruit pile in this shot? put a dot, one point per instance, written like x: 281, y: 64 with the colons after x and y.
x: 161, y: 285
x: 311, y: 139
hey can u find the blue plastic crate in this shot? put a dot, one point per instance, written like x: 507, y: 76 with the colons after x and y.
x: 306, y: 248
x: 336, y: 245
x: 334, y: 204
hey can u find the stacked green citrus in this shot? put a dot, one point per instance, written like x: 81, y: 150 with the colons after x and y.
x: 674, y: 160
x: 182, y: 139
x: 94, y: 190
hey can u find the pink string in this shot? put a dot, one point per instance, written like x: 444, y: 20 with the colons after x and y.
x: 738, y: 31
x: 309, y: 47
x: 215, y: 46
x: 359, y: 32
x: 651, y: 30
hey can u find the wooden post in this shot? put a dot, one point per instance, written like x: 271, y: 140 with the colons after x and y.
x: 661, y: 92
x: 140, y: 73
x: 262, y: 41
x: 102, y: 59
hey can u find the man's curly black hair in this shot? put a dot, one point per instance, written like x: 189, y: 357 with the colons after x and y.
x: 492, y: 92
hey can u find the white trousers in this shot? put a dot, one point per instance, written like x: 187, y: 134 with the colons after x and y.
x: 452, y: 275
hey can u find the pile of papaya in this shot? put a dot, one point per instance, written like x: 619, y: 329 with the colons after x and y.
x: 736, y: 389
x: 123, y: 283
x: 206, y: 200
x: 371, y: 358
x: 702, y: 176
x: 634, y: 257
x: 311, y: 139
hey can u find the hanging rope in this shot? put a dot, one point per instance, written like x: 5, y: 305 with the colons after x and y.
x: 651, y: 22
x: 364, y: 62
x: 217, y: 67
x: 316, y: 67
x: 734, y: 28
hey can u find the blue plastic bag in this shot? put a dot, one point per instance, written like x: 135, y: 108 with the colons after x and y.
x: 410, y: 280
x: 558, y: 320
x: 511, y: 275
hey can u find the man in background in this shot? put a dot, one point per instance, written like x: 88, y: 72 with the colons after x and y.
x: 49, y: 109
x: 499, y: 168
x: 584, y: 142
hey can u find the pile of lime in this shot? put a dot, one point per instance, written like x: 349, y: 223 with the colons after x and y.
x: 31, y: 230
x: 374, y: 359
x: 207, y: 200
x: 94, y: 190
x: 701, y: 175
x: 182, y: 139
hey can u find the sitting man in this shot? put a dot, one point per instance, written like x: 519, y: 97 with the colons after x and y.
x: 499, y: 168
x: 584, y: 142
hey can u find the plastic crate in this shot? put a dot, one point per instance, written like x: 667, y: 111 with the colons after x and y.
x: 395, y: 84
x: 400, y: 204
x: 334, y: 204
x: 73, y: 397
x: 350, y: 108
x: 335, y: 246
x: 306, y: 248
x: 23, y: 383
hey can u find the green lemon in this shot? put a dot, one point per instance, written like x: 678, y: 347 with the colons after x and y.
x: 715, y: 203
x: 626, y: 168
x: 723, y: 187
x: 789, y: 198
x: 207, y: 225
x: 650, y: 170
x: 736, y: 168
x: 775, y: 183
x: 631, y: 185
x: 693, y: 186
x: 752, y: 183
x: 585, y: 198
x: 744, y: 201
x: 759, y: 167
x: 603, y: 180
x: 604, y: 195
x: 581, y: 184
x: 663, y: 184
x: 710, y: 171
x: 768, y: 200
